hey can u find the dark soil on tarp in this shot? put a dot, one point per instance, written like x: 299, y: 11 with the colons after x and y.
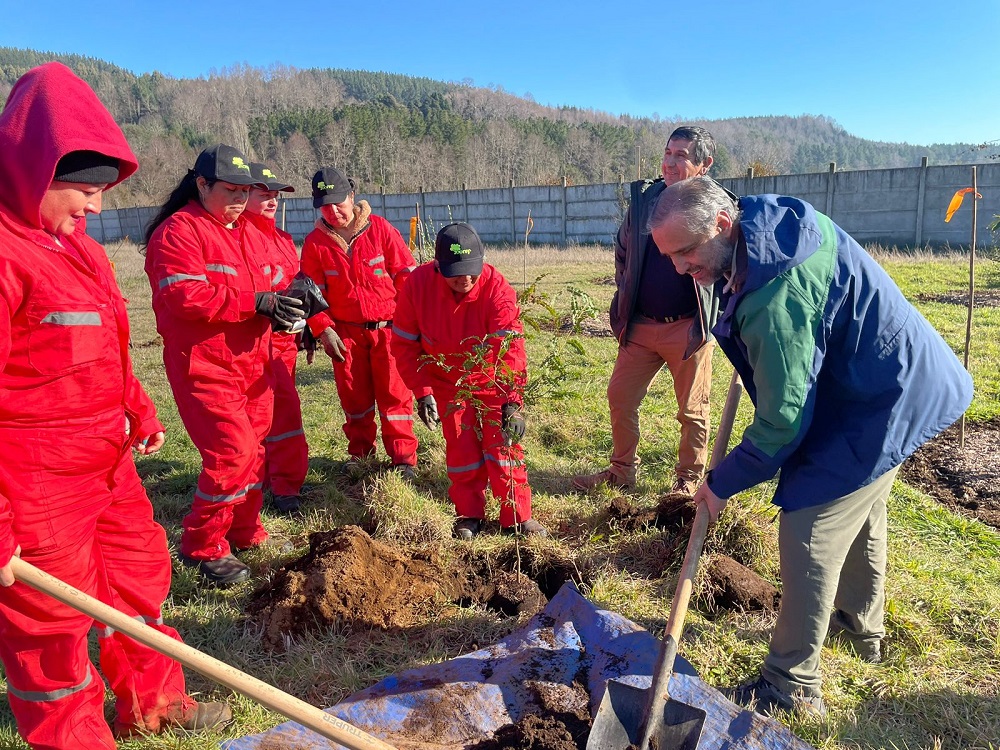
x: 349, y: 579
x: 563, y: 723
x: 966, y: 480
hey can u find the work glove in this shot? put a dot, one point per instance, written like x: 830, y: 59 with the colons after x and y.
x: 333, y: 345
x: 308, y: 344
x: 304, y: 289
x: 284, y: 312
x: 427, y: 410
x: 512, y: 422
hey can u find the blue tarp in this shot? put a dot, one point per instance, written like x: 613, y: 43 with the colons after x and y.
x: 463, y: 700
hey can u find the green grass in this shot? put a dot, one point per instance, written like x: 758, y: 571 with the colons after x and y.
x: 938, y: 687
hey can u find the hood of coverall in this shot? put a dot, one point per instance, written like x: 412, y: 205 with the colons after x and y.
x: 49, y: 113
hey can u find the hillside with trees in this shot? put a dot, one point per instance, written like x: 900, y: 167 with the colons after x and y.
x: 402, y: 133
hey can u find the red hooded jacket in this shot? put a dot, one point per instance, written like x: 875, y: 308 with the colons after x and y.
x: 64, y: 329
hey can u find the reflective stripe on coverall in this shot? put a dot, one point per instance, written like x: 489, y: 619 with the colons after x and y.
x: 217, y: 354
x: 286, y: 454
x: 360, y: 281
x: 429, y: 321
x: 69, y: 491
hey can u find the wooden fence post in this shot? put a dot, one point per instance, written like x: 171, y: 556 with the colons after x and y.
x: 918, y: 234
x: 565, y: 217
x: 513, y: 221
x: 830, y: 178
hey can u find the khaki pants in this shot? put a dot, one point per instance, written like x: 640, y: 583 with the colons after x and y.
x: 649, y: 346
x: 832, y: 556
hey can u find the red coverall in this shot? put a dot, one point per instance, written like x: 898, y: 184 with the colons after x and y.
x: 431, y: 322
x: 360, y: 281
x: 217, y: 353
x: 69, y: 491
x: 286, y: 452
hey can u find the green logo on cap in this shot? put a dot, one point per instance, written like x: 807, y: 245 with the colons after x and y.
x: 268, y: 173
x: 457, y: 249
x: 323, y: 186
x: 240, y: 164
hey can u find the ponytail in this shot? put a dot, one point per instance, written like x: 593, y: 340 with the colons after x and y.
x: 186, y: 190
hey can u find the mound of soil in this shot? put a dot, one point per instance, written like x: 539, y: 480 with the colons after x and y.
x: 598, y: 327
x: 981, y: 298
x: 348, y: 578
x: 673, y: 511
x: 531, y: 733
x: 966, y: 480
x: 731, y: 585
x: 563, y: 724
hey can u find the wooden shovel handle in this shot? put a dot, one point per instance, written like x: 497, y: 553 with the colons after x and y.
x: 659, y: 690
x: 324, y: 724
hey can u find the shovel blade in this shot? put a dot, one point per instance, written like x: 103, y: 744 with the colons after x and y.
x: 618, y: 723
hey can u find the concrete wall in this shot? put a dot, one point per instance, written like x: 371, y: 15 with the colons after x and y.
x: 902, y: 207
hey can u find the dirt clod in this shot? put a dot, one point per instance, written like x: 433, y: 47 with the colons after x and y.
x: 673, y: 511
x: 531, y: 733
x: 731, y: 585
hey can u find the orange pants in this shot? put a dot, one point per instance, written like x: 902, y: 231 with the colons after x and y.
x: 649, y: 347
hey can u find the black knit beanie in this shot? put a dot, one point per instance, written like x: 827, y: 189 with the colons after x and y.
x: 87, y: 166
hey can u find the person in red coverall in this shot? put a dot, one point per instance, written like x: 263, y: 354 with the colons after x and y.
x: 286, y: 455
x: 71, y: 412
x: 360, y: 261
x: 453, y: 311
x: 215, y: 308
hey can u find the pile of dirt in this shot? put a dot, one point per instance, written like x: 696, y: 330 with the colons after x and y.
x: 563, y: 721
x: 733, y: 586
x: 981, y: 298
x: 673, y: 511
x: 597, y: 327
x: 967, y: 480
x: 349, y: 579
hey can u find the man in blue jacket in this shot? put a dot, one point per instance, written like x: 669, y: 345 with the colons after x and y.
x: 847, y: 380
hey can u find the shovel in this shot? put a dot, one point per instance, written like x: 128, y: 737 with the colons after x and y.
x: 630, y: 717
x: 324, y: 724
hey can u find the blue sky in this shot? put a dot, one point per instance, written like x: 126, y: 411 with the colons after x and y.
x: 884, y: 69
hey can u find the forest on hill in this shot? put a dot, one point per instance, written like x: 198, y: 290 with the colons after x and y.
x: 402, y: 133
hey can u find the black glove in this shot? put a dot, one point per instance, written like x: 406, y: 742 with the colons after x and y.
x: 427, y: 410
x: 307, y: 343
x: 512, y: 422
x: 283, y: 311
x: 304, y: 289
x: 333, y: 345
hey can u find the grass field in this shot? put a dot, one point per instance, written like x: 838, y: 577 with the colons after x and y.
x: 938, y: 687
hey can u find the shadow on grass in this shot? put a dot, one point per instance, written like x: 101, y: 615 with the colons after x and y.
x: 945, y: 719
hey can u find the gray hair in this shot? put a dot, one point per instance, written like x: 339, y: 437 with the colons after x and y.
x: 699, y: 200
x: 702, y: 141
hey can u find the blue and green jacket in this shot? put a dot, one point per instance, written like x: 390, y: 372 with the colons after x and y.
x: 847, y: 378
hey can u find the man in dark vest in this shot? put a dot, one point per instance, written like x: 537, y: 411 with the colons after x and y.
x: 659, y: 317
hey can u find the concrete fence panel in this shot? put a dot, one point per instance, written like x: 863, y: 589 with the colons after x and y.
x: 902, y: 207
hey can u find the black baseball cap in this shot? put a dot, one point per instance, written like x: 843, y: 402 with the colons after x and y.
x: 264, y: 176
x: 329, y: 185
x: 458, y: 251
x: 225, y: 163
